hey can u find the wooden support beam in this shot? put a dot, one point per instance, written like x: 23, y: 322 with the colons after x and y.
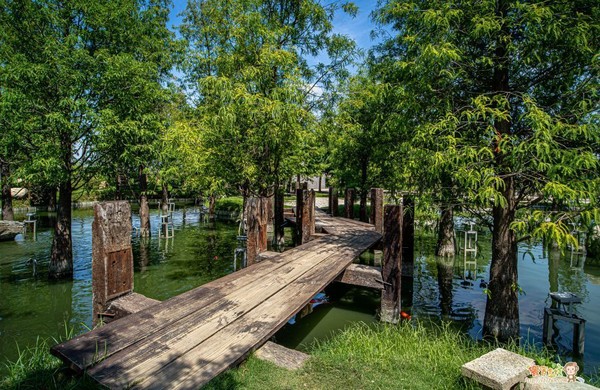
x: 408, y: 237
x: 349, y: 203
x: 305, y: 215
x: 377, y: 209
x: 333, y: 202
x: 257, y: 218
x: 392, y: 264
x: 112, y: 258
x: 361, y: 275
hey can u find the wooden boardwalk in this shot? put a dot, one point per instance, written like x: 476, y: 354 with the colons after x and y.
x: 185, y: 341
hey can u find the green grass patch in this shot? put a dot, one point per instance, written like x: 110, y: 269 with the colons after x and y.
x: 36, y: 368
x: 412, y: 355
x: 407, y: 356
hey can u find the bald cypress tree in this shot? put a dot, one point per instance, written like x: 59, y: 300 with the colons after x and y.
x: 502, y: 95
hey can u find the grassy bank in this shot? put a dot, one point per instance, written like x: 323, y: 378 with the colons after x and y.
x: 408, y: 356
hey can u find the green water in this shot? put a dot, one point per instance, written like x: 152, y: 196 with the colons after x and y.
x: 32, y: 307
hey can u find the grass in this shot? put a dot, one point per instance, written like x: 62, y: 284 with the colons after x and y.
x: 36, y: 368
x: 407, y: 356
x: 412, y: 355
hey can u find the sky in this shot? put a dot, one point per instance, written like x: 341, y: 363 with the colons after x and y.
x: 358, y: 28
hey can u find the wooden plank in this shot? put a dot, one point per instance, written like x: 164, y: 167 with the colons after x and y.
x: 205, y: 361
x: 147, y: 353
x: 162, y: 337
x: 102, y: 342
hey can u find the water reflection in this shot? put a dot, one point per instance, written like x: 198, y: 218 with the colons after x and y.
x: 31, y: 306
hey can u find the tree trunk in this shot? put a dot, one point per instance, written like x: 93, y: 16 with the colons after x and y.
x: 7, y: 208
x: 61, y: 258
x: 502, y: 308
x: 118, y: 188
x: 164, y: 202
x: 144, y: 208
x: 445, y: 242
x: 212, y: 202
x: 52, y: 200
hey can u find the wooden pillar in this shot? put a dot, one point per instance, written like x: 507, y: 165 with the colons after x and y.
x: 333, y: 202
x: 392, y: 264
x: 305, y: 214
x: 112, y: 258
x: 349, y: 203
x: 377, y: 209
x: 278, y: 220
x: 257, y: 218
x: 408, y: 237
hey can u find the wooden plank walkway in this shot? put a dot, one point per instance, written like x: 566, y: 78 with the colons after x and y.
x: 187, y: 340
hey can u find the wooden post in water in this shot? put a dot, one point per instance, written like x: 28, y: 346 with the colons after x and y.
x: 408, y: 237
x: 333, y: 202
x: 349, y: 203
x: 112, y: 258
x: 305, y: 214
x: 278, y: 220
x: 408, y: 250
x: 257, y: 219
x: 392, y: 264
x: 377, y: 209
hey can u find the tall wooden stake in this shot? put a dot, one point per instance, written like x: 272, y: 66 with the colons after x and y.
x: 349, y: 203
x: 305, y: 215
x: 112, y: 258
x: 257, y: 219
x: 408, y: 250
x: 408, y: 237
x: 278, y: 220
x: 377, y: 209
x: 392, y: 263
x: 333, y: 202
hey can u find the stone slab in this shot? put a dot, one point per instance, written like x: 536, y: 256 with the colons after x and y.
x: 10, y: 229
x: 499, y: 369
x: 281, y: 356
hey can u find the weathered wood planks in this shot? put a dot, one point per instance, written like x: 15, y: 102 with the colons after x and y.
x: 189, y: 339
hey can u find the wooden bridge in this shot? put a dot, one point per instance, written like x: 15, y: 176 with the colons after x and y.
x: 189, y: 339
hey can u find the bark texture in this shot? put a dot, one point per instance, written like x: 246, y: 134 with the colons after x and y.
x: 445, y: 241
x: 61, y: 258
x: 7, y: 208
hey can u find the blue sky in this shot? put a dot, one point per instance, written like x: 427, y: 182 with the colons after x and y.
x: 358, y: 28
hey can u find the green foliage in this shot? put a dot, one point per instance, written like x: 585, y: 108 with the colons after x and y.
x: 36, y: 368
x: 246, y: 69
x: 84, y: 75
x: 230, y: 204
x: 495, y: 91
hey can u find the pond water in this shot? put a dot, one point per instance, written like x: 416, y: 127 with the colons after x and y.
x: 30, y: 306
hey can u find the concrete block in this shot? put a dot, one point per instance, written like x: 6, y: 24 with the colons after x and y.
x: 499, y: 369
x: 281, y: 356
